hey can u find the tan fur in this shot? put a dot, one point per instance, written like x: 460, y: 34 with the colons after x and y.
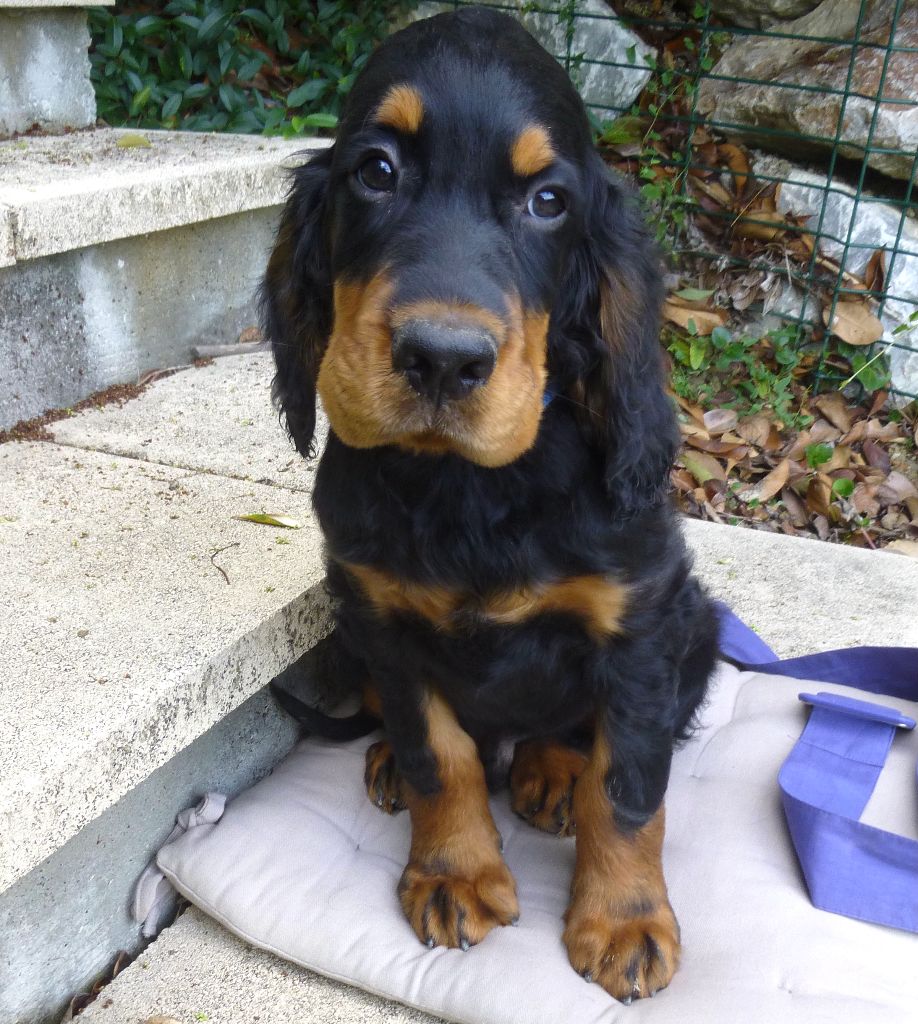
x: 456, y: 887
x: 542, y: 782
x: 620, y: 926
x: 617, y: 310
x: 531, y: 151
x: 369, y: 404
x: 599, y: 602
x: 402, y: 109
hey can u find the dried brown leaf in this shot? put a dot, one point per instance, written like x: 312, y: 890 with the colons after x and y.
x: 822, y: 432
x: 762, y: 225
x: 714, y: 190
x: 900, y: 485
x: 903, y: 547
x: 795, y: 507
x: 875, y: 271
x: 854, y: 323
x: 718, y: 421
x: 705, y: 320
x: 835, y: 409
x: 769, y: 485
x: 876, y: 455
x: 738, y: 162
x: 755, y: 429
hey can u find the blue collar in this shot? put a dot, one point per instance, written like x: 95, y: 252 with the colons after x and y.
x: 547, y: 398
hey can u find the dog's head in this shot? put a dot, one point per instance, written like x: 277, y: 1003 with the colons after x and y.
x: 461, y: 245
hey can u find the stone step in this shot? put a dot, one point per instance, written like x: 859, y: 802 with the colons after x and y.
x: 118, y: 257
x: 140, y: 618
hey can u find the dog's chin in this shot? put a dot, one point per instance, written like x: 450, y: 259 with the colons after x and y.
x: 425, y: 430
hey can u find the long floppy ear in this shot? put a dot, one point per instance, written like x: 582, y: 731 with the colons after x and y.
x: 296, y: 300
x: 606, y: 352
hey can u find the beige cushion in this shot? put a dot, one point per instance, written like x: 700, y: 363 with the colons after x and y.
x: 304, y: 865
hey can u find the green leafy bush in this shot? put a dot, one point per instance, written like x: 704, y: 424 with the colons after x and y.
x: 223, y: 65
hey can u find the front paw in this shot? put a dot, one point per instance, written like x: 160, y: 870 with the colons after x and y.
x: 631, y: 957
x: 448, y: 908
x: 382, y: 778
x: 542, y: 785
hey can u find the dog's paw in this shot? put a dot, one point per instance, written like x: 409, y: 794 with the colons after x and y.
x: 630, y: 957
x: 542, y: 785
x: 382, y: 778
x: 457, y: 910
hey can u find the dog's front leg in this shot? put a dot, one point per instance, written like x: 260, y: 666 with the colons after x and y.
x: 620, y: 928
x: 456, y: 886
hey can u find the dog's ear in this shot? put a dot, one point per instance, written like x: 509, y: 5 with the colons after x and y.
x: 606, y: 352
x: 296, y: 300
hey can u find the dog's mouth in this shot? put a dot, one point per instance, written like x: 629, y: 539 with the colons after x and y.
x: 433, y: 377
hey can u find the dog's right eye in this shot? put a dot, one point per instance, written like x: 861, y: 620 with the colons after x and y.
x: 377, y: 174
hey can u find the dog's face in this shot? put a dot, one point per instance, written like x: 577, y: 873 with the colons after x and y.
x: 459, y: 244
x: 452, y: 205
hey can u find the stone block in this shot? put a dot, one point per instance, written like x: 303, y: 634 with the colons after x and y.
x: 798, y: 84
x: 74, y: 323
x: 44, y: 70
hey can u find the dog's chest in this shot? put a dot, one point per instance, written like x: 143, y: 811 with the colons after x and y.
x: 598, y: 602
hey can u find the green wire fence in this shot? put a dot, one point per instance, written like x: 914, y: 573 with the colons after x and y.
x: 846, y: 288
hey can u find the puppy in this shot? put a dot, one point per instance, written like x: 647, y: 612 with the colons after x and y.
x: 474, y: 299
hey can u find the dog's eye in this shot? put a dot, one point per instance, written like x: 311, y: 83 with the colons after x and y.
x: 377, y: 174
x: 546, y: 204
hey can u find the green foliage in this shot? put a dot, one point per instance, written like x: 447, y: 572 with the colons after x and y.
x: 223, y: 65
x: 739, y: 372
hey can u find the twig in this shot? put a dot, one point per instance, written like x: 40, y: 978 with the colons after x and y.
x: 214, y: 554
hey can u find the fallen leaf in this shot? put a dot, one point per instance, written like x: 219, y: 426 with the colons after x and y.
x: 795, y: 507
x: 703, y: 466
x: 823, y: 432
x: 755, y: 429
x: 694, y: 294
x: 769, y: 485
x: 875, y: 271
x: 854, y: 323
x: 705, y: 320
x: 270, y: 519
x: 763, y: 225
x: 131, y: 140
x: 876, y: 456
x: 717, y: 421
x: 835, y: 409
x: 900, y: 485
x: 903, y: 547
x: 738, y: 162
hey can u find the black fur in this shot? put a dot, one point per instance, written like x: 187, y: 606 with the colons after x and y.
x: 589, y: 497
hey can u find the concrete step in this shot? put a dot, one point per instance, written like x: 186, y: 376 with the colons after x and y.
x: 116, y: 259
x: 140, y: 618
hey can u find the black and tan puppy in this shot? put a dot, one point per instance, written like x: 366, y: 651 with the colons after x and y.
x: 475, y: 301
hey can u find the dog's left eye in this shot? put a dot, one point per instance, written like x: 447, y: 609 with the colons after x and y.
x: 546, y: 204
x: 377, y: 174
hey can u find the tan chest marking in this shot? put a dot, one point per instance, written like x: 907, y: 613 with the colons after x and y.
x: 598, y: 601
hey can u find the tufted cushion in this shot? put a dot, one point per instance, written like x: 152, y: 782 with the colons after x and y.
x: 302, y: 864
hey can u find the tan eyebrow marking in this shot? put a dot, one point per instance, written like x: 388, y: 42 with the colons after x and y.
x: 402, y: 109
x: 532, y: 151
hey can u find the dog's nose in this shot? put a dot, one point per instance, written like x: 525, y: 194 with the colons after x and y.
x: 443, y: 362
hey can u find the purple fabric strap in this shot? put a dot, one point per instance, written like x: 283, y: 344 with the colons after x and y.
x: 850, y: 868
